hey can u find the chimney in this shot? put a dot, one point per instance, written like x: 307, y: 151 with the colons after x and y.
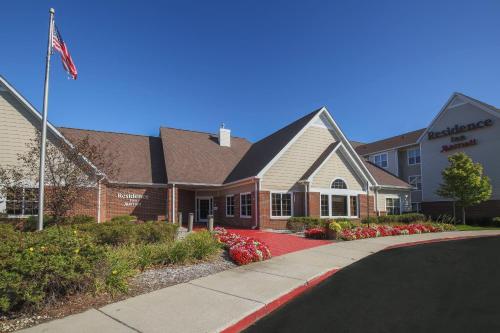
x: 224, y: 136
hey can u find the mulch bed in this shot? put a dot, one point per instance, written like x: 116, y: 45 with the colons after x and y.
x: 147, y: 281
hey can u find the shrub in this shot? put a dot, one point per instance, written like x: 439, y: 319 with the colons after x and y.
x: 335, y: 226
x: 123, y: 219
x: 298, y: 224
x: 315, y: 233
x: 130, y: 233
x: 202, y: 244
x: 31, y: 223
x: 35, y: 267
x: 496, y: 222
x: 81, y: 219
x: 345, y: 224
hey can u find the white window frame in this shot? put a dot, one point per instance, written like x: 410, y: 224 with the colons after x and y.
x: 241, y: 205
x: 226, y: 206
x: 414, y: 157
x: 393, y: 198
x: 22, y: 202
x: 345, y: 193
x: 281, y: 205
x: 381, y: 160
x: 335, y: 188
x: 415, y: 188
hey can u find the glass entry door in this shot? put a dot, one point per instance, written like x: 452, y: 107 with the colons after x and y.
x: 204, y: 207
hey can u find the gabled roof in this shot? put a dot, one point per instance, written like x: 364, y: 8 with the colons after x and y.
x: 38, y: 116
x: 320, y: 161
x: 197, y: 158
x: 402, y: 140
x: 138, y: 158
x: 385, y: 178
x: 262, y: 152
x: 485, y: 107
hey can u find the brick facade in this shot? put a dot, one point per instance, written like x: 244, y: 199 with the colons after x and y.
x: 484, y: 210
x: 366, y: 205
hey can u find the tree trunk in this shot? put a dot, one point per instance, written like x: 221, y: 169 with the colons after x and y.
x: 463, y: 215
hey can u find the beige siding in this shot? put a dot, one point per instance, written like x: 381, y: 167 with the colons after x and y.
x: 292, y: 165
x: 337, y: 166
x: 402, y: 195
x: 392, y: 160
x: 16, y: 129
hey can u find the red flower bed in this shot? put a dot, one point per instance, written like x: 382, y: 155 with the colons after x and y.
x: 386, y: 230
x: 243, y: 250
x: 316, y: 233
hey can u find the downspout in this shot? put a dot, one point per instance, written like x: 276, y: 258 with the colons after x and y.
x: 376, y: 202
x: 173, y: 203
x: 368, y: 202
x: 306, y: 199
x: 257, y: 212
x: 99, y: 200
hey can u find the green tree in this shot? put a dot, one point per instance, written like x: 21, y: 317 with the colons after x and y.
x: 464, y: 182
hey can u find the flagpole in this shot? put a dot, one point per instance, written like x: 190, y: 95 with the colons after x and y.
x: 44, y: 123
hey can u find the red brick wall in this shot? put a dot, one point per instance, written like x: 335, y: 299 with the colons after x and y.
x: 151, y: 206
x: 363, y: 206
x: 185, y: 204
x: 235, y: 221
x: 314, y: 204
x: 487, y: 209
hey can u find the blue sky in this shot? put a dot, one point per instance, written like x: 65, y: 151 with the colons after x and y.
x: 381, y: 67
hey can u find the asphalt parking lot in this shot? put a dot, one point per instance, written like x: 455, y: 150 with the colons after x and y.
x: 450, y: 286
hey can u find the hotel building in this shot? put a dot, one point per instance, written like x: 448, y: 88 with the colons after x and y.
x: 307, y: 168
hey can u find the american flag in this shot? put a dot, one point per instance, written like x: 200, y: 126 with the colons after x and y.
x: 60, y: 46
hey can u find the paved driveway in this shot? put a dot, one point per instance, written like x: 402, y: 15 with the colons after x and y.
x: 441, y: 287
x: 281, y: 243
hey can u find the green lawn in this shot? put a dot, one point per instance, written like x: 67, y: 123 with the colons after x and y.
x: 461, y: 227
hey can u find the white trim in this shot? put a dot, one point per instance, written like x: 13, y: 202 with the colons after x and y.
x: 339, y: 178
x: 246, y: 216
x: 311, y: 177
x: 225, y: 205
x: 289, y: 144
x: 337, y: 191
x: 386, y: 154
x: 445, y: 107
x: 330, y: 208
x: 415, y: 188
x: 210, y: 207
x: 99, y: 201
x: 408, y: 155
x: 278, y: 217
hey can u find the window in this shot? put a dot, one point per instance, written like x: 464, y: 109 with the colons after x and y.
x: 339, y: 183
x: 339, y: 205
x: 22, y: 201
x: 415, y: 181
x: 415, y: 207
x: 392, y: 206
x: 281, y: 204
x: 380, y: 160
x: 230, y: 205
x: 245, y: 205
x: 354, y: 205
x: 414, y: 156
x: 325, y: 208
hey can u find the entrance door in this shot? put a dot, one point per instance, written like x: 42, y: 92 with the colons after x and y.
x: 204, y: 207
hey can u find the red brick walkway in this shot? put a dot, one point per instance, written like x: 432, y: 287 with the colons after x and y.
x: 280, y: 244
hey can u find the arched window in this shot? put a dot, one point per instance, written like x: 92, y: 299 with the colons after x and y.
x: 339, y: 183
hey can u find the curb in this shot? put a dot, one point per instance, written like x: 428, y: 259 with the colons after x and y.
x: 282, y: 300
x: 277, y: 303
x: 437, y: 240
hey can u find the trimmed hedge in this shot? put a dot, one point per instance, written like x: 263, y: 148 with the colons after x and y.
x: 403, y: 218
x: 299, y: 224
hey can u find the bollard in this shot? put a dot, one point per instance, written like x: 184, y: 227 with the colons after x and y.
x: 179, y: 219
x: 210, y: 223
x: 190, y: 222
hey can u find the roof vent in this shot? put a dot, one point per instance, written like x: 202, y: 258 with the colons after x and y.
x: 224, y: 136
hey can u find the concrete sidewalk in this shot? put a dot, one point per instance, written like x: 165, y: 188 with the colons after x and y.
x: 216, y: 302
